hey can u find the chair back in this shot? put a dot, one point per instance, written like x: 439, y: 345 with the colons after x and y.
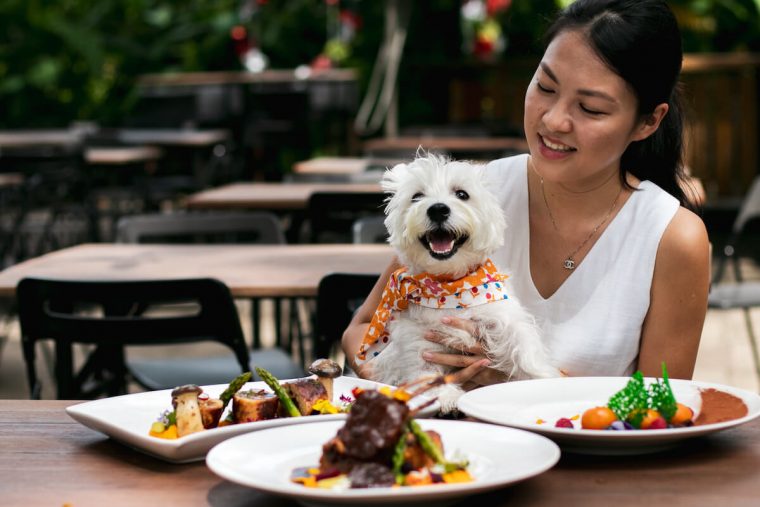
x: 748, y: 212
x: 332, y: 214
x: 370, y: 229
x: 213, y: 227
x: 339, y: 295
x: 103, y: 313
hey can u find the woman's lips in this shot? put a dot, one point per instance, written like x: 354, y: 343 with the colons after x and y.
x: 553, y: 149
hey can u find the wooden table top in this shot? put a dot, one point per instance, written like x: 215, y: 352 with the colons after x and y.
x: 341, y: 166
x: 27, y: 138
x: 243, y: 77
x: 120, y: 155
x: 447, y: 143
x: 248, y: 270
x: 48, y: 459
x: 278, y: 196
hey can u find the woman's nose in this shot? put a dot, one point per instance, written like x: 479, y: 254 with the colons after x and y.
x: 557, y: 118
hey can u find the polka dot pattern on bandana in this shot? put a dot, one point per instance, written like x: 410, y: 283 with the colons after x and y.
x: 484, y: 285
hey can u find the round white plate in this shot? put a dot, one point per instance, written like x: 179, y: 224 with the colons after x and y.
x: 498, y: 457
x: 524, y: 404
x: 128, y: 419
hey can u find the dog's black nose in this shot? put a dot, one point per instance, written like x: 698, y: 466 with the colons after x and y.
x: 438, y: 212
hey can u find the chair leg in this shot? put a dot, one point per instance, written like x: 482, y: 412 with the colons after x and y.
x: 752, y: 342
x: 256, y: 322
x: 35, y: 389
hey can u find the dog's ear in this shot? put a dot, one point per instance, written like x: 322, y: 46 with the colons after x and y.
x: 392, y: 178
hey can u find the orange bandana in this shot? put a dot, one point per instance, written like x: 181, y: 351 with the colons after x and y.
x: 484, y: 285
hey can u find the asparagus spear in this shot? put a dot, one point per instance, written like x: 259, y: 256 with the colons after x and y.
x: 398, y: 457
x: 432, y: 450
x: 234, y: 387
x: 272, y: 382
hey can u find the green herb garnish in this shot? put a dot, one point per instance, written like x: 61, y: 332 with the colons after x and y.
x: 632, y: 402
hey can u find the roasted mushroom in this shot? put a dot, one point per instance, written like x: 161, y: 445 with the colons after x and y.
x: 188, y: 412
x: 326, y: 370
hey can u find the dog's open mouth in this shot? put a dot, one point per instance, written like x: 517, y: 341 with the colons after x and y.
x: 441, y: 243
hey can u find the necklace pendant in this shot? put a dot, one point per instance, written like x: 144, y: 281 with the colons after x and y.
x: 569, y: 264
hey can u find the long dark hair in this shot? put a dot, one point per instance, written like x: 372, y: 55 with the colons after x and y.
x: 640, y: 41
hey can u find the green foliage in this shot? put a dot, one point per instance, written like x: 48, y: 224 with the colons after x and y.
x: 67, y: 60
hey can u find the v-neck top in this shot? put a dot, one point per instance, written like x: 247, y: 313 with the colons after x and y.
x: 592, y: 323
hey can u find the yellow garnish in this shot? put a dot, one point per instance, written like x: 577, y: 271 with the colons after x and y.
x: 540, y: 421
x: 169, y: 433
x: 575, y: 417
x: 331, y: 482
x: 457, y: 476
x: 309, y: 482
x: 325, y: 407
x: 401, y: 395
x: 385, y: 390
x: 417, y: 478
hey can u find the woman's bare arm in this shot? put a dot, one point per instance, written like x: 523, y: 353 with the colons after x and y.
x: 357, y: 328
x: 673, y: 325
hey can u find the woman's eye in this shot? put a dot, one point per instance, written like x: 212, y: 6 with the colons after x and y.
x: 591, y: 111
x: 416, y: 197
x: 543, y: 88
x: 462, y: 195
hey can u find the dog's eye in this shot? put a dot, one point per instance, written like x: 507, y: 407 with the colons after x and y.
x: 461, y: 194
x: 416, y: 197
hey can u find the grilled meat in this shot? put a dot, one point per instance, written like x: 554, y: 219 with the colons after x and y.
x: 305, y: 393
x: 254, y: 405
x: 211, y: 411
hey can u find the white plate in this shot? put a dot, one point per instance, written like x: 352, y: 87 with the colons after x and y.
x: 521, y: 404
x: 128, y: 419
x: 498, y: 457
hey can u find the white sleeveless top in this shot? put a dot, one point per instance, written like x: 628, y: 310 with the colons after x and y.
x: 592, y: 324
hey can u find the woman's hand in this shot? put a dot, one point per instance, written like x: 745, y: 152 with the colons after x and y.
x: 473, y: 362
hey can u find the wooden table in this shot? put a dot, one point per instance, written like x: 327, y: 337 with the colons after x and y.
x: 484, y: 147
x: 272, y: 196
x: 341, y: 166
x: 248, y: 270
x: 121, y: 155
x: 47, y: 459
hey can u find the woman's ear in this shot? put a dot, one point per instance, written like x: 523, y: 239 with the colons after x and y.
x: 651, y: 123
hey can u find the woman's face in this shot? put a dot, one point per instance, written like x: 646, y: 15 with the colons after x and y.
x: 579, y: 115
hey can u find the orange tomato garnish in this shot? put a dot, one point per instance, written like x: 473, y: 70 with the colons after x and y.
x: 650, y: 417
x: 682, y: 416
x: 598, y: 418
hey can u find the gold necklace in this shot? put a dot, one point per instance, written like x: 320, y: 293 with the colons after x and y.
x: 569, y: 262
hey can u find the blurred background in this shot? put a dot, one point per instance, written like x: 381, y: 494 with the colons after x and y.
x: 463, y: 65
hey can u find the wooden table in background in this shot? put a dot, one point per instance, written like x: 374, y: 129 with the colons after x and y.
x: 273, y: 196
x: 248, y: 270
x: 468, y: 147
x: 48, y: 459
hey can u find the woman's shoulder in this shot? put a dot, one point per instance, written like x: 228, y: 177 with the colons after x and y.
x: 685, y: 239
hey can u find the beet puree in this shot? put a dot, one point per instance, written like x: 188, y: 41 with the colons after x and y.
x: 719, y: 406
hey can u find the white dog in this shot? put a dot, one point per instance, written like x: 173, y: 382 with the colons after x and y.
x: 444, y: 224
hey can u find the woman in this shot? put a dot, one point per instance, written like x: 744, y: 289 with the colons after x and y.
x: 601, y: 247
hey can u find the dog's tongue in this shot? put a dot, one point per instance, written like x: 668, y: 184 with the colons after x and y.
x: 441, y: 242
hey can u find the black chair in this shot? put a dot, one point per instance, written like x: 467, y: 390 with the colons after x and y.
x: 370, y: 229
x: 50, y: 207
x: 338, y: 297
x: 215, y: 227
x: 331, y: 215
x: 220, y: 227
x: 102, y: 314
x: 740, y: 293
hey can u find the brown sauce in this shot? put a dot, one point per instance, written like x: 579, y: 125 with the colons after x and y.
x: 719, y: 406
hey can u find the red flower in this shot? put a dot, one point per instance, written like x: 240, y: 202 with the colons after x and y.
x: 494, y: 6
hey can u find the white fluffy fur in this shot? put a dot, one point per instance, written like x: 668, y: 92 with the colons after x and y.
x: 507, y: 331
